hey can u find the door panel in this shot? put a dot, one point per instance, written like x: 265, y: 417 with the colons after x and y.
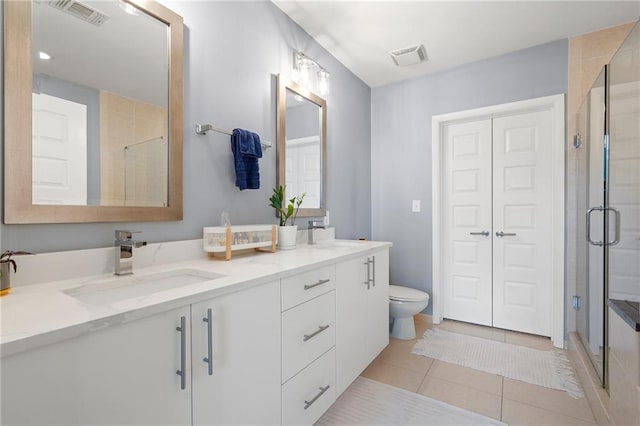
x: 59, y: 151
x: 521, y: 210
x: 467, y: 204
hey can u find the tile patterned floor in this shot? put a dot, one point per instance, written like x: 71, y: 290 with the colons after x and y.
x: 512, y: 401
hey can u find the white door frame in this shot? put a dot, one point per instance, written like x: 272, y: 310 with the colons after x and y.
x: 556, y: 105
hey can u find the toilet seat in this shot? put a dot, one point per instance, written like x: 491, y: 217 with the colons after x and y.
x: 406, y: 294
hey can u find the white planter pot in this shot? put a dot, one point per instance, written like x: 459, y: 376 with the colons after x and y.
x: 287, y: 237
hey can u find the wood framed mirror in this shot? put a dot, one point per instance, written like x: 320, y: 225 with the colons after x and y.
x: 93, y: 117
x: 302, y: 147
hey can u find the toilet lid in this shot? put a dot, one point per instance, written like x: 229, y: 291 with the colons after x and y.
x: 406, y: 294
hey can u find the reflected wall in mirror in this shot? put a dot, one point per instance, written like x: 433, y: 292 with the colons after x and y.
x: 302, y: 146
x: 93, y: 95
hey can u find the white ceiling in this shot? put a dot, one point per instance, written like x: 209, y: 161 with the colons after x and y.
x: 360, y: 34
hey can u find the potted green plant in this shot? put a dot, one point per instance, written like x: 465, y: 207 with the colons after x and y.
x: 286, y: 210
x: 6, y: 262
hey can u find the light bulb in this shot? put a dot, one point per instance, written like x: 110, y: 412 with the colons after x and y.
x: 323, y: 82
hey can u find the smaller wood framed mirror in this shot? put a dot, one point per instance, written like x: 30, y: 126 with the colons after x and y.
x: 302, y: 146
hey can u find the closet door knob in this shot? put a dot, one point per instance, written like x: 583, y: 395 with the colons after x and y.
x: 483, y: 233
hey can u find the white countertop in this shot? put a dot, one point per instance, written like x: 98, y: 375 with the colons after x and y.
x: 39, y: 314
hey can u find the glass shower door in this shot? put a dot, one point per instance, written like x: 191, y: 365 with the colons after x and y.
x: 590, y: 300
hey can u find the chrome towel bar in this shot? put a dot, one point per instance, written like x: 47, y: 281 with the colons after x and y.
x: 202, y: 129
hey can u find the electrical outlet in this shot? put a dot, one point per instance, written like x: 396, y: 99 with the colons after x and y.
x: 415, y: 206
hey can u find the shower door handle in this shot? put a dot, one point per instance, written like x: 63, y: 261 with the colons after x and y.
x: 588, y: 233
x: 616, y: 237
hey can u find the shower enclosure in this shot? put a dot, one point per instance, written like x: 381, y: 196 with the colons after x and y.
x: 607, y: 172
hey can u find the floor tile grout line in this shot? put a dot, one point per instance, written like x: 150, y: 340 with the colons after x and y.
x: 464, y: 386
x: 549, y: 410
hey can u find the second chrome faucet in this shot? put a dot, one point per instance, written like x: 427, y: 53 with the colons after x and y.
x: 124, y: 245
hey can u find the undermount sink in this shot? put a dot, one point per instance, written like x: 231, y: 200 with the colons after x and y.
x: 340, y: 245
x: 131, y: 286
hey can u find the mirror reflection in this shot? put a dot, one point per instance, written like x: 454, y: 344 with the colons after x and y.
x: 303, y: 154
x: 302, y: 146
x: 99, y: 105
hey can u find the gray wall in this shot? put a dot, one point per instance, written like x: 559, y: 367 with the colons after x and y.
x: 302, y: 121
x: 401, y: 142
x: 233, y: 50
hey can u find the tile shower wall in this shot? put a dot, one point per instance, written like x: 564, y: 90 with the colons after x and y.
x: 232, y: 52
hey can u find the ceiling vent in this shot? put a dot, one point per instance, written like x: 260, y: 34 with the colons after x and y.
x: 409, y: 55
x: 81, y: 11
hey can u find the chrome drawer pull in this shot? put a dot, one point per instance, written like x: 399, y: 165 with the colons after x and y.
x: 308, y: 404
x: 315, y: 333
x: 209, y: 358
x: 183, y: 353
x: 505, y: 234
x: 310, y: 286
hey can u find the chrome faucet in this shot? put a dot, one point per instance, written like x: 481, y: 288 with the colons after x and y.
x: 124, y: 252
x: 314, y: 225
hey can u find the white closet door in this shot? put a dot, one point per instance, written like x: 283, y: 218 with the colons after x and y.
x: 522, y: 211
x: 467, y: 213
x: 59, y: 151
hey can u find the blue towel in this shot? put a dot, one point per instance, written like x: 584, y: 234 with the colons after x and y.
x: 246, y: 148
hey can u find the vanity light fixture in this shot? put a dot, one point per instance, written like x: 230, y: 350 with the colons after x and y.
x: 309, y: 74
x: 44, y: 56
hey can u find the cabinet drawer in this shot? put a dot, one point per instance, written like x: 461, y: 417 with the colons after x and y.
x: 313, y: 388
x: 308, y: 331
x: 306, y: 286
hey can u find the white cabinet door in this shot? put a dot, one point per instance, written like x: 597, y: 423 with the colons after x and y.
x: 362, y: 315
x: 351, y: 321
x: 466, y: 216
x: 122, y: 375
x: 378, y: 306
x: 244, y: 385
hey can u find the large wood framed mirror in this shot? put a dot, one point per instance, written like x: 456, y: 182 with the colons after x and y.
x: 302, y: 147
x: 93, y: 115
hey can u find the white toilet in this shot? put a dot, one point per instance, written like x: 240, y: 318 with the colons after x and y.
x: 404, y: 303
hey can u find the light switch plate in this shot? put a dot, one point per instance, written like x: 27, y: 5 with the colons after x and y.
x: 415, y: 206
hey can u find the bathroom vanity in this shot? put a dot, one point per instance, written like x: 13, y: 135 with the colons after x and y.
x: 271, y: 338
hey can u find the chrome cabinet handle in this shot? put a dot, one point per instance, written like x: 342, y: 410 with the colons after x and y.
x: 308, y: 404
x: 483, y: 233
x: 315, y: 333
x: 505, y: 234
x: 310, y: 286
x: 373, y: 268
x: 183, y: 353
x: 371, y: 280
x: 368, y: 280
x: 209, y: 358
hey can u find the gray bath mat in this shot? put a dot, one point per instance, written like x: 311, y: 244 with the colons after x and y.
x: 551, y: 369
